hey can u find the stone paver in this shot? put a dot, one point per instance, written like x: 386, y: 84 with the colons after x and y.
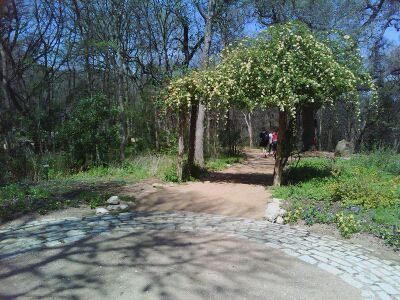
x: 378, y: 279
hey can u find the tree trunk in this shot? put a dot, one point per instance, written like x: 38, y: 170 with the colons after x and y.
x: 124, y: 138
x: 228, y: 130
x: 321, y: 116
x: 122, y: 116
x: 349, y: 124
x: 192, y: 134
x: 284, y: 146
x: 208, y: 133
x: 329, y: 146
x: 307, y: 120
x: 3, y: 74
x: 87, y: 69
x: 215, y: 134
x: 396, y: 144
x: 156, y: 129
x: 181, y: 145
x: 199, y: 151
x: 247, y: 119
x: 199, y: 143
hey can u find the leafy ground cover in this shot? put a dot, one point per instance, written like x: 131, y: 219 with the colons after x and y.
x: 93, y: 186
x: 361, y: 194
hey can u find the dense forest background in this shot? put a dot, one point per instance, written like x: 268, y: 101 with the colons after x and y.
x: 81, y: 79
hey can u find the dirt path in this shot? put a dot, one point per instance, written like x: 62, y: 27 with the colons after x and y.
x: 241, y: 190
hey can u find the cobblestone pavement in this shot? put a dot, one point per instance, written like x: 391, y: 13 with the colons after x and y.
x: 377, y: 278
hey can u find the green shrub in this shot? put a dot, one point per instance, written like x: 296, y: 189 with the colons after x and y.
x: 310, y: 214
x: 390, y: 234
x: 23, y: 198
x: 347, y: 224
x: 292, y: 216
x: 385, y: 160
x: 12, y: 191
x: 59, y: 165
x: 170, y: 173
x: 91, y: 132
x: 387, y: 215
x: 366, y: 189
x: 314, y: 215
x: 92, y: 198
x: 369, y: 181
x: 132, y: 170
x: 308, y: 169
x: 96, y: 201
x: 350, y: 182
x: 70, y: 189
x: 38, y: 193
x: 315, y: 189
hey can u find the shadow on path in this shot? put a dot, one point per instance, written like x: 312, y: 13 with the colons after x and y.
x: 165, y: 265
x: 240, y: 190
x: 243, y: 178
x: 256, y: 170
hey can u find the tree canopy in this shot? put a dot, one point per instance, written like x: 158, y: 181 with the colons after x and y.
x: 288, y: 67
x: 285, y: 66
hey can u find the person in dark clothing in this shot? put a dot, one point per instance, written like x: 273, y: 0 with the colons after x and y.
x: 264, y: 141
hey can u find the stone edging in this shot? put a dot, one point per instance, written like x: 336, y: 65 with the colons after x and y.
x: 376, y: 278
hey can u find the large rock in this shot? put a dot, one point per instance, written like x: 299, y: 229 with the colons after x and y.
x: 123, y: 206
x: 118, y: 207
x: 344, y: 148
x: 273, y: 210
x: 113, y: 200
x: 274, y: 213
x: 101, y: 210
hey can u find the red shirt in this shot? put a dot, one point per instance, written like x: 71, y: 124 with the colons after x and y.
x: 274, y: 137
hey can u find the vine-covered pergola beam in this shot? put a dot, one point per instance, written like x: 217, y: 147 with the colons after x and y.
x: 287, y: 66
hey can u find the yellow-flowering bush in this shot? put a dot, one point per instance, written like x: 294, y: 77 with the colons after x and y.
x: 283, y: 67
x: 292, y: 216
x: 347, y: 224
x: 366, y: 190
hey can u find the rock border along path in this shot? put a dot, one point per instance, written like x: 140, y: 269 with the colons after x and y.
x: 376, y: 278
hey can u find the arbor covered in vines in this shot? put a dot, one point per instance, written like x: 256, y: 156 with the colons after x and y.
x: 288, y: 67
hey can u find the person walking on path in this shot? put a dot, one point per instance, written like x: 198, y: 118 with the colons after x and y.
x: 274, y: 142
x: 270, y: 143
x: 264, y: 141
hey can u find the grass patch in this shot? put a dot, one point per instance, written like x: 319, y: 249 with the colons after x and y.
x: 95, y: 185
x: 224, y: 161
x: 307, y: 170
x: 91, y: 187
x: 360, y: 194
x: 132, y: 170
x: 387, y: 215
x: 16, y: 200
